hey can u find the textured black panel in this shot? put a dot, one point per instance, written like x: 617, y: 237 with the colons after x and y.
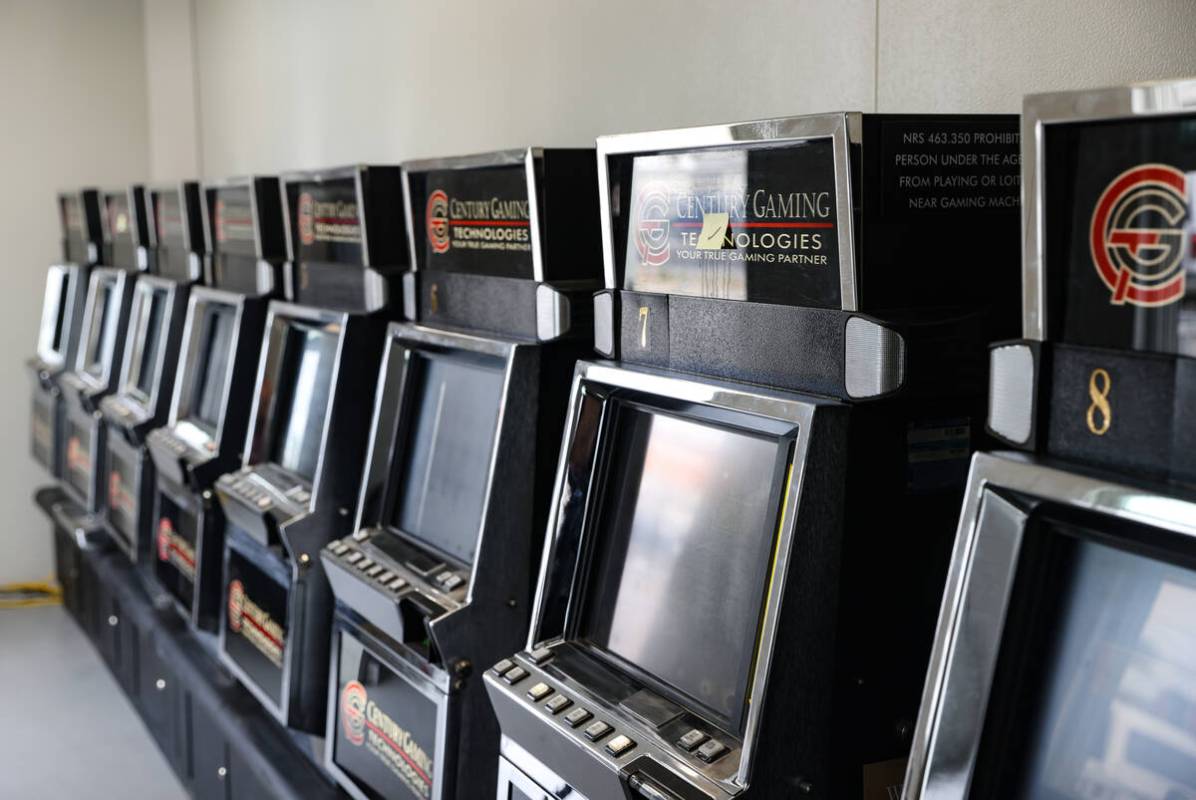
x: 1142, y: 395
x: 505, y: 306
x: 798, y: 348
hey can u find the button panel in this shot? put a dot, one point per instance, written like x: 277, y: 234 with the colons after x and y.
x: 514, y: 675
x: 619, y: 745
x: 596, y: 730
x: 577, y: 717
x: 712, y: 751
x: 558, y: 704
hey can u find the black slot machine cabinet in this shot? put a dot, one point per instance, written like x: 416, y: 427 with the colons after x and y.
x: 174, y: 256
x: 124, y: 222
x: 754, y: 503
x: 299, y: 478
x: 204, y: 434
x: 437, y: 580
x: 61, y: 320
x: 1065, y: 658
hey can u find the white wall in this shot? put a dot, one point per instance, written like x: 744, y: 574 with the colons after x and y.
x: 72, y: 112
x: 114, y: 91
x: 287, y: 84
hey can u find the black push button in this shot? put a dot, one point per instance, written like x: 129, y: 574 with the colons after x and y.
x: 539, y: 655
x: 691, y: 740
x: 514, y: 675
x: 504, y: 666
x: 597, y: 730
x: 558, y: 704
x: 619, y: 745
x: 577, y: 716
x: 711, y: 751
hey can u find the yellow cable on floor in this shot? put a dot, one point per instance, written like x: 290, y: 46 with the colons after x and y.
x: 33, y: 594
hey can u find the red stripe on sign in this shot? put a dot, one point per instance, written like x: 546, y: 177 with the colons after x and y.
x: 512, y: 223
x: 264, y: 632
x: 761, y: 224
x: 183, y: 555
x: 398, y: 750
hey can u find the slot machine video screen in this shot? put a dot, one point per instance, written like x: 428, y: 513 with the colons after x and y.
x: 303, y: 393
x: 683, y: 547
x: 1096, y: 682
x: 103, y: 327
x: 147, y: 326
x: 446, y: 460
x: 213, y: 356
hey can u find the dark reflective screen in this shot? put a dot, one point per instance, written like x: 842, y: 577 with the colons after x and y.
x: 453, y: 424
x: 215, y: 350
x: 682, y: 554
x: 301, y: 404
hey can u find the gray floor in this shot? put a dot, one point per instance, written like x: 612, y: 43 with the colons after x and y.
x: 66, y: 729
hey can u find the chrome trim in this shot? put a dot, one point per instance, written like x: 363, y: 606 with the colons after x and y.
x: 842, y: 128
x: 533, y: 212
x: 950, y: 721
x: 413, y: 265
x: 496, y: 158
x: 777, y: 405
x: 1156, y: 98
x: 873, y: 359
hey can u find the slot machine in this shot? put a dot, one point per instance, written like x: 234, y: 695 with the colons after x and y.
x: 204, y: 434
x: 96, y: 372
x: 61, y: 320
x: 755, y: 495
x: 436, y: 580
x: 1065, y: 658
x: 299, y: 475
x: 174, y: 259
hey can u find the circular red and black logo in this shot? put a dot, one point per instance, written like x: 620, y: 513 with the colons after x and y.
x: 437, y: 216
x: 353, y: 698
x: 307, y: 219
x: 1137, y: 236
x: 165, y: 532
x: 652, y: 230
x: 236, y: 605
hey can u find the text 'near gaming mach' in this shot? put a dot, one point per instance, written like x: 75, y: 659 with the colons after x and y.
x: 437, y: 581
x: 1064, y: 664
x: 204, y: 435
x: 299, y: 479
x: 61, y: 322
x: 754, y: 504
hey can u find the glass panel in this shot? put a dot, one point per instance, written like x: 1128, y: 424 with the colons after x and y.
x: 215, y: 351
x: 687, y: 505
x: 302, y: 401
x: 447, y: 459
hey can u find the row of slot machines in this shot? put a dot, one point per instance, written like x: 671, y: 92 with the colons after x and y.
x: 561, y: 474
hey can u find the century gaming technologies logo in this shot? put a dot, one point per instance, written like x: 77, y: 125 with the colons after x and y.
x: 307, y: 219
x: 437, y: 216
x: 1137, y: 236
x: 236, y: 605
x: 652, y: 231
x: 353, y: 699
